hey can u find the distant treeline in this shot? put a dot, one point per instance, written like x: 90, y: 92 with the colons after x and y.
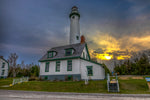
x: 139, y: 67
x: 19, y: 70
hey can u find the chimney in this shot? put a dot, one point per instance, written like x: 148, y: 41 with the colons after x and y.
x: 1, y: 57
x: 82, y: 39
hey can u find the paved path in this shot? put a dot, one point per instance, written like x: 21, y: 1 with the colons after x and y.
x: 32, y: 95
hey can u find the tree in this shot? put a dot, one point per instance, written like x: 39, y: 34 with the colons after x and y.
x: 35, y: 71
x: 140, y: 67
x: 106, y: 69
x: 12, y: 63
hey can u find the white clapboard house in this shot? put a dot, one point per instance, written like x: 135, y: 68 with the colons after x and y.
x: 71, y: 62
x: 4, y: 66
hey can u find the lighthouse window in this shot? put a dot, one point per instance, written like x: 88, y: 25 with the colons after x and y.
x: 77, y: 37
x: 73, y: 17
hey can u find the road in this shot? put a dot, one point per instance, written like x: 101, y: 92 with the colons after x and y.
x: 32, y: 95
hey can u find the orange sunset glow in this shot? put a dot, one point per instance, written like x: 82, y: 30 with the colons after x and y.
x: 120, y: 49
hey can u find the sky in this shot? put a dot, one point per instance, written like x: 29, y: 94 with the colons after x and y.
x: 111, y: 27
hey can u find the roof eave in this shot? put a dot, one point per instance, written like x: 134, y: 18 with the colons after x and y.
x: 59, y: 59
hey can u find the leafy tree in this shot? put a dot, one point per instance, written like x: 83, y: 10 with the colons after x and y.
x: 106, y: 69
x: 35, y: 71
x: 140, y: 67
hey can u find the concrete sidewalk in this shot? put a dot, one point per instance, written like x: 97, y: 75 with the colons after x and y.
x: 32, y: 95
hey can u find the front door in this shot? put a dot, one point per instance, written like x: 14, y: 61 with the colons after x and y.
x: 70, y: 77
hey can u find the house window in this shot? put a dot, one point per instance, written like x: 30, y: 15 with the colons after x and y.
x: 68, y: 52
x: 90, y: 70
x: 50, y: 54
x: 47, y: 67
x: 3, y: 65
x: 57, y: 66
x: 3, y: 71
x: 69, y: 65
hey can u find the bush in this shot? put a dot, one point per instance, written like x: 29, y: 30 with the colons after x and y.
x: 34, y: 78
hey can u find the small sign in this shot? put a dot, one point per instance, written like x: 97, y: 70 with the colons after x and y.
x: 147, y: 79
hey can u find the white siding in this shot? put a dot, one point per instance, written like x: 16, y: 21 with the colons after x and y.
x: 63, y: 67
x: 98, y: 71
x: 5, y: 68
x: 85, y: 54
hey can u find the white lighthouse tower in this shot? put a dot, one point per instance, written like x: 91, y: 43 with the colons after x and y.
x: 74, y: 26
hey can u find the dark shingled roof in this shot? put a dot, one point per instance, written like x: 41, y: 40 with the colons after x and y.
x: 60, y: 51
x: 1, y: 57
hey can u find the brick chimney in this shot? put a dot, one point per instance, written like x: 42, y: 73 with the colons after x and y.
x: 82, y: 39
x: 1, y: 57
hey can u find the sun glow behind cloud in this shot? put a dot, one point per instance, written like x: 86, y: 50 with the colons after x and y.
x: 120, y: 49
x: 104, y: 56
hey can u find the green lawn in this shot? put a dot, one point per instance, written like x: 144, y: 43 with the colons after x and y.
x: 135, y: 86
x: 94, y: 86
x: 129, y: 86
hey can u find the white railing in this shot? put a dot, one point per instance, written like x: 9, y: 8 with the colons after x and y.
x: 108, y: 85
x: 108, y: 80
x: 118, y: 86
x: 87, y: 78
x: 20, y: 80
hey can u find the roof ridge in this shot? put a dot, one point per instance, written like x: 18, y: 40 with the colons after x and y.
x: 61, y: 51
x: 66, y: 45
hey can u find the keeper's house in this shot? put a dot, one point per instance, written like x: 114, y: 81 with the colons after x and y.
x: 71, y: 62
x: 4, y: 66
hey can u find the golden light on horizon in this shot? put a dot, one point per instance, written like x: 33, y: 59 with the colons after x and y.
x: 119, y: 49
x: 122, y: 57
x: 108, y: 57
x: 104, y: 56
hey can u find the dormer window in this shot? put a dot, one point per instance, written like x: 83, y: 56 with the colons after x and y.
x: 69, y: 52
x: 51, y: 54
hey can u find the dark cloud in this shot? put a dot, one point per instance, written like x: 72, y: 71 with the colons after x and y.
x: 37, y: 25
x: 99, y: 50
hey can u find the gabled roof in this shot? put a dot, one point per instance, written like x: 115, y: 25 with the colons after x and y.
x: 60, y: 52
x: 1, y: 57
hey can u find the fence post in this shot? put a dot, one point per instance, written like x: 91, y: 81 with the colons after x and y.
x: 108, y: 80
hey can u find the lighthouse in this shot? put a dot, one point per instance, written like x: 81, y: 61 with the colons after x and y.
x: 74, y: 62
x: 74, y: 26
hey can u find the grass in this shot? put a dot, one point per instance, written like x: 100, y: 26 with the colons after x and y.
x: 92, y: 87
x: 128, y: 86
x: 134, y: 86
x: 5, y: 81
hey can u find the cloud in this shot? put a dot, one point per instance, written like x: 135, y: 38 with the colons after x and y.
x: 135, y: 43
x: 110, y: 27
x: 21, y: 49
x: 103, y: 44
